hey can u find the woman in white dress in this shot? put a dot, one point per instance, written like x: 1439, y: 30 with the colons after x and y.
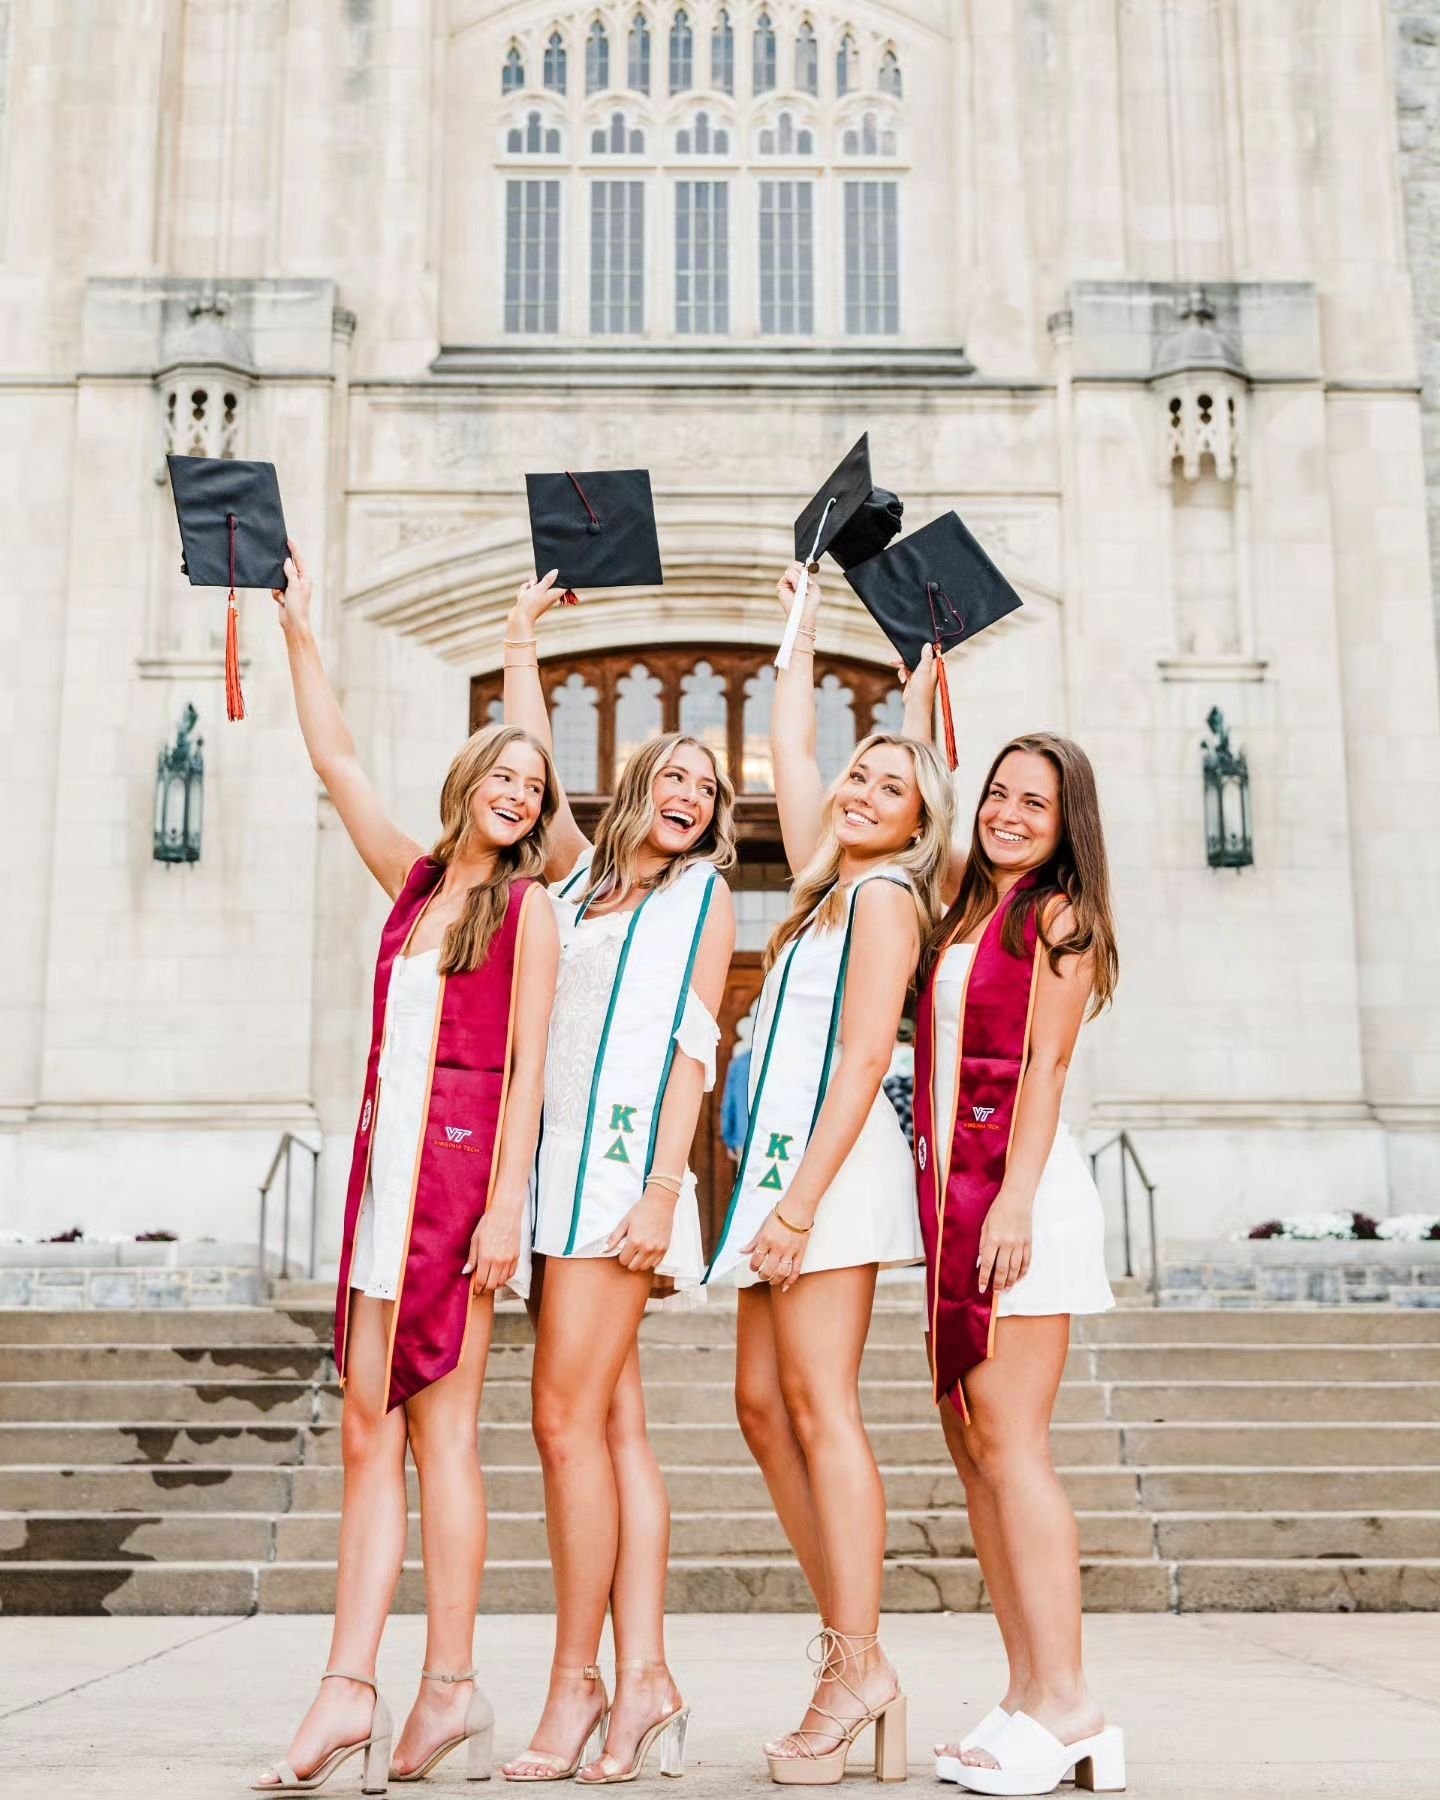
x: 823, y: 1195
x: 434, y: 1217
x: 1034, y: 874
x: 647, y: 929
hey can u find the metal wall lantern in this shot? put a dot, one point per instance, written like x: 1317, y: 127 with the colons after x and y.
x: 180, y: 794
x: 1228, y: 843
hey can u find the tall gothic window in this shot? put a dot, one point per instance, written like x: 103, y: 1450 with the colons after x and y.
x: 890, y: 81
x: 722, y: 55
x: 617, y: 257
x: 637, y: 60
x: 597, y: 60
x: 575, y: 732
x: 872, y: 258
x: 682, y: 54
x: 555, y: 63
x: 512, y: 76
x: 639, y: 712
x: 704, y: 709
x: 807, y: 59
x: 702, y: 258
x: 532, y: 256
x: 847, y: 67
x: 787, y: 258
x: 764, y: 54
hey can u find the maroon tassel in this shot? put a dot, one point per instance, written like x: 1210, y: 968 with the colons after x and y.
x: 234, y: 699
x: 946, y: 716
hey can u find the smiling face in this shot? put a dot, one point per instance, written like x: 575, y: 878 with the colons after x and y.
x: 877, y: 807
x: 506, y: 801
x: 684, y: 793
x: 1019, y: 823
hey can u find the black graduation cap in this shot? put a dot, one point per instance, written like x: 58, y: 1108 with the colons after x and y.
x: 596, y: 526
x: 232, y: 533
x: 935, y: 587
x: 850, y: 517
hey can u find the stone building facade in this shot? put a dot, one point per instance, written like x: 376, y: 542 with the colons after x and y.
x: 1124, y: 281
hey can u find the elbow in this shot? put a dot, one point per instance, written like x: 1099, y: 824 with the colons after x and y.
x: 1049, y: 1068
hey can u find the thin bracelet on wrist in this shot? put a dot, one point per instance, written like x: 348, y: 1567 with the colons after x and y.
x: 799, y: 1230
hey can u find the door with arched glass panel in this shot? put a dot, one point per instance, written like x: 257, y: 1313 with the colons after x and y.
x: 603, y: 706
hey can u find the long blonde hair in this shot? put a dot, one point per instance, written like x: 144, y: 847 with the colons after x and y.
x: 925, y: 861
x: 469, y: 938
x: 1078, y: 873
x: 625, y: 823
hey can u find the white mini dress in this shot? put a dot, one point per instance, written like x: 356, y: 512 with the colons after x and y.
x: 1067, y: 1249
x: 410, y: 1003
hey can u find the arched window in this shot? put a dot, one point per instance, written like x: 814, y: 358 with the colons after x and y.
x: 889, y: 714
x: 575, y: 729
x: 757, y: 768
x: 699, y: 138
x: 597, y: 60
x: 535, y: 139
x: 512, y: 76
x: 869, y: 139
x: 890, y: 78
x: 637, y: 74
x: 847, y: 67
x: 704, y: 709
x: 682, y: 54
x: 834, y: 726
x: 807, y: 59
x: 782, y: 138
x: 555, y: 63
x: 638, y: 714
x: 764, y: 54
x: 617, y: 138
x: 722, y: 55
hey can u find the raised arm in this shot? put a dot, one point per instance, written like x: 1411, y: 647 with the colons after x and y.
x: 799, y: 791
x: 388, y: 852
x: 525, y: 705
x: 919, y: 689
x: 1061, y: 996
x: 884, y: 952
x: 643, y: 1235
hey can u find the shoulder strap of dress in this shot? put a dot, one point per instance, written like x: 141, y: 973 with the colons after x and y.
x: 577, y: 875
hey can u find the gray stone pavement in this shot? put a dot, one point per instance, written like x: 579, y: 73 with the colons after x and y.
x: 1213, y: 1705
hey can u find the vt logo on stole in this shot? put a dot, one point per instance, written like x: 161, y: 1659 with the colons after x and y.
x: 778, y: 1152
x: 622, y: 1122
x: 455, y: 1136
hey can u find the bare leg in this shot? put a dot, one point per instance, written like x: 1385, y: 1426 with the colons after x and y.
x: 1011, y: 1398
x: 766, y: 1425
x: 443, y: 1419
x: 637, y: 1594
x: 373, y: 1523
x: 820, y: 1330
x: 590, y: 1311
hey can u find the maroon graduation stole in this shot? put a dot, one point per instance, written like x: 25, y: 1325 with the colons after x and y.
x: 995, y: 1013
x: 459, y: 1146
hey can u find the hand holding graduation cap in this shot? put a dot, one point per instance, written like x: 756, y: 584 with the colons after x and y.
x: 535, y: 599
x: 786, y: 589
x: 294, y: 599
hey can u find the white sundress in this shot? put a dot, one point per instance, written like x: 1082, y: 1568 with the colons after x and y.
x: 410, y: 1003
x: 1067, y: 1251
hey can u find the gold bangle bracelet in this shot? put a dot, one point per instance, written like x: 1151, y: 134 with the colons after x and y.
x: 799, y: 1230
x: 518, y: 643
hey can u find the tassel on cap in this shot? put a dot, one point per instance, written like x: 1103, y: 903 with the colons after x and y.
x: 946, y: 716
x: 234, y: 699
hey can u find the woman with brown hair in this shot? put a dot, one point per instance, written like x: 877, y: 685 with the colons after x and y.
x: 646, y: 927
x: 433, y: 1213
x: 1014, y: 1233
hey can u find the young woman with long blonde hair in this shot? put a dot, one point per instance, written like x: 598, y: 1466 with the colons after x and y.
x: 823, y: 1195
x: 1013, y: 1226
x: 647, y: 927
x: 434, y: 1211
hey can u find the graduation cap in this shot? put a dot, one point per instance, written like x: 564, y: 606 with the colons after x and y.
x: 597, y: 527
x: 850, y: 518
x: 935, y: 587
x: 232, y: 533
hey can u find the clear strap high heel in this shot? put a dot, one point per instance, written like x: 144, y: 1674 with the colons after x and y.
x: 549, y: 1766
x: 806, y: 1764
x: 670, y: 1732
x: 478, y: 1735
x: 376, y: 1771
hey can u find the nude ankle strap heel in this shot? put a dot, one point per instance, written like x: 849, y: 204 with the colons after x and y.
x: 555, y: 1768
x: 478, y: 1737
x: 376, y: 1748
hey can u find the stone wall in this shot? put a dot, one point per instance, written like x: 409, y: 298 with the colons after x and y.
x: 1417, y: 101
x: 1280, y: 1271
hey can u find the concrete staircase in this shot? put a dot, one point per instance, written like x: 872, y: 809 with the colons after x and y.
x: 188, y: 1462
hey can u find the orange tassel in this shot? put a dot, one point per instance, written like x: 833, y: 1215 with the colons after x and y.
x: 946, y: 716
x: 234, y: 699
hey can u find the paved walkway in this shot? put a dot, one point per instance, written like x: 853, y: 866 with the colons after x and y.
x: 1216, y: 1705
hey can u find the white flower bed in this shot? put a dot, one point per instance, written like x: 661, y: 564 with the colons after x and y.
x: 1321, y: 1227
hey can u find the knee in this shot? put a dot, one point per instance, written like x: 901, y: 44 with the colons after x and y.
x: 764, y: 1423
x: 818, y: 1419
x: 366, y: 1435
x: 1002, y: 1451
x: 957, y: 1444
x: 437, y: 1443
x: 559, y: 1424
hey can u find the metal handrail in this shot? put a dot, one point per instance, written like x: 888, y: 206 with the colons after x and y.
x: 1128, y: 1155
x: 289, y: 1141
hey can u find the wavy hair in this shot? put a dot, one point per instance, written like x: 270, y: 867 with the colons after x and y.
x: 468, y: 940
x: 925, y: 861
x: 625, y: 823
x: 1078, y: 873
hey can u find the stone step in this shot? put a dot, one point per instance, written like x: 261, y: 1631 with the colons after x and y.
x: 1284, y: 1490
x: 1255, y: 1362
x: 172, y: 1362
x: 201, y: 1326
x: 929, y: 1585
x: 1308, y: 1536
x: 1257, y: 1402
x: 1372, y: 1446
x: 1292, y: 1325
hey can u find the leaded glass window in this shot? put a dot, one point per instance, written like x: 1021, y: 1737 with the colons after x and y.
x: 512, y: 76
x: 787, y: 258
x: 637, y: 61
x: 699, y: 138
x: 807, y: 59
x: 704, y: 710
x: 872, y: 259
x: 534, y: 138
x: 847, y: 67
x: 597, y: 60
x: 757, y: 767
x: 575, y: 729
x: 532, y: 256
x: 638, y: 714
x: 722, y: 55
x: 764, y: 54
x: 702, y: 257
x: 890, y: 81
x: 555, y: 63
x: 617, y: 138
x: 682, y: 54
x: 617, y: 257
x: 834, y: 726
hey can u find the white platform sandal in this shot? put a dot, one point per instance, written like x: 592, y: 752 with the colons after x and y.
x: 478, y: 1736
x: 376, y: 1747
x: 980, y: 1737
x: 1033, y: 1761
